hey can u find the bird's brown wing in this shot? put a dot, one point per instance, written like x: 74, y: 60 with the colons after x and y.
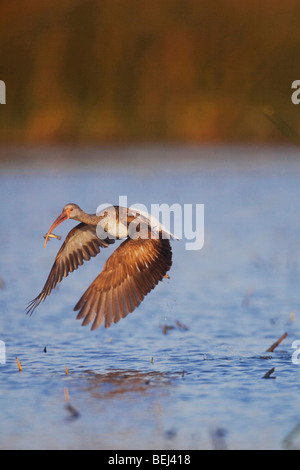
x: 130, y: 273
x: 80, y: 245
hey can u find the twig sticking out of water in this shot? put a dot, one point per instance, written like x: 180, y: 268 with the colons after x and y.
x: 267, y: 375
x: 274, y: 345
x: 179, y: 325
x: 166, y: 328
x: 19, y: 364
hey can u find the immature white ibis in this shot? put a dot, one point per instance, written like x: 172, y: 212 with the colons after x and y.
x: 130, y: 273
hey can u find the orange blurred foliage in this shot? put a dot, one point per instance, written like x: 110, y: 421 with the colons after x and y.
x: 134, y: 70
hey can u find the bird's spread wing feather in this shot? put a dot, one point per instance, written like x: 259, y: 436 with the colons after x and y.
x: 80, y: 245
x: 130, y: 273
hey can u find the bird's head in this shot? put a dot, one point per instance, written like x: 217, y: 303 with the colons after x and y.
x: 70, y: 211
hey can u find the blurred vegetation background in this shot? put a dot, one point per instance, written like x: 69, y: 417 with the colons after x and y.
x: 107, y: 71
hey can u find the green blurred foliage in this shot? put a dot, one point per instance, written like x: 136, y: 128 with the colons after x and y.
x: 160, y: 70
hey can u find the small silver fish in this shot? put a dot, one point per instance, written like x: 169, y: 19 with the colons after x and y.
x: 52, y: 235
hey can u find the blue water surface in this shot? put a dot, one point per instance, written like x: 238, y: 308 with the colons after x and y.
x: 185, y: 370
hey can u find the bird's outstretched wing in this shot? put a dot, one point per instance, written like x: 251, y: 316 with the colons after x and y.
x: 130, y: 273
x: 80, y: 245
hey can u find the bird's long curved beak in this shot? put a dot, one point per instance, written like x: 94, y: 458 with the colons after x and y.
x: 63, y: 216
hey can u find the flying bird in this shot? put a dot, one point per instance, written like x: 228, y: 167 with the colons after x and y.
x: 128, y: 275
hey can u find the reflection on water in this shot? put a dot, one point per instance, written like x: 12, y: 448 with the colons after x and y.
x: 118, y: 382
x: 185, y: 369
x: 114, y: 383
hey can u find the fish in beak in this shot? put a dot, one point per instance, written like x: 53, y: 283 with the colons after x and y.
x: 52, y: 235
x: 61, y: 218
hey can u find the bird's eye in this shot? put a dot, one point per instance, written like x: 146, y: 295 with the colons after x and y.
x: 71, y: 209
